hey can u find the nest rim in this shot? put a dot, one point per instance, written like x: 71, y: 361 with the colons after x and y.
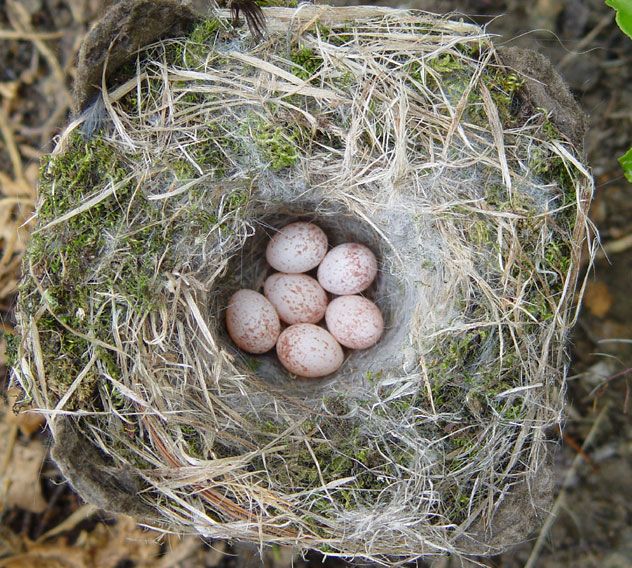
x: 28, y: 371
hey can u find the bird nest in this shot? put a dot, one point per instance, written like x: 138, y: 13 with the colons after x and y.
x: 401, y: 130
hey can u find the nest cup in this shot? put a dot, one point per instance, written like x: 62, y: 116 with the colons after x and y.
x: 249, y: 269
x: 405, y: 131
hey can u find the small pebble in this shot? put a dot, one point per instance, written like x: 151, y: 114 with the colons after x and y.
x: 297, y: 247
x: 354, y: 321
x: 252, y: 321
x: 309, y: 351
x: 347, y: 269
x: 297, y: 298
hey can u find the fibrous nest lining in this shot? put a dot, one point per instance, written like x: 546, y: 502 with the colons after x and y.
x: 396, y: 129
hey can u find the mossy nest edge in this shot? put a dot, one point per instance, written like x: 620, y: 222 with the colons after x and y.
x: 398, y: 129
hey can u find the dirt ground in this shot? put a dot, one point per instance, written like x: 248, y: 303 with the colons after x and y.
x: 43, y: 523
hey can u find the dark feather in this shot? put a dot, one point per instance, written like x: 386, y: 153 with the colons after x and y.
x: 253, y: 13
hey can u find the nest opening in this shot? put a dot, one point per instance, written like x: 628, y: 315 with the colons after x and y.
x: 249, y: 269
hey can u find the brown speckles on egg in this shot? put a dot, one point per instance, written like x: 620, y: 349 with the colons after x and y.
x: 309, y: 351
x: 298, y: 298
x: 252, y: 321
x: 297, y: 247
x: 347, y: 269
x: 354, y: 321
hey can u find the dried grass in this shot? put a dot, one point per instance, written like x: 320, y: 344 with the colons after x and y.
x: 17, y: 202
x: 399, y: 132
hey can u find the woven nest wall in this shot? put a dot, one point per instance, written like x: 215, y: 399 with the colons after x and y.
x: 401, y: 130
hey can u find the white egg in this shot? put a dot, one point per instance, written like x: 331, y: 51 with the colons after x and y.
x: 297, y: 298
x: 354, y: 321
x: 309, y: 351
x: 347, y: 269
x: 296, y: 248
x: 252, y: 321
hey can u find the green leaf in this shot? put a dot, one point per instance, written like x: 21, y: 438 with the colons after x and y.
x: 626, y: 164
x: 624, y: 15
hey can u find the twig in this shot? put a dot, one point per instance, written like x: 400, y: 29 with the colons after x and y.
x: 587, y: 39
x: 50, y: 508
x: 598, y: 390
x: 81, y: 514
x: 12, y: 148
x: 618, y: 245
x: 550, y: 521
x: 21, y: 21
x: 29, y: 36
x: 10, y: 440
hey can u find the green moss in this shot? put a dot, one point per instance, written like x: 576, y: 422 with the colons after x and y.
x: 463, y: 349
x: 496, y: 195
x: 482, y: 234
x: 557, y: 257
x: 193, y: 441
x: 69, y: 248
x: 341, y: 452
x: 202, y: 221
x: 194, y: 51
x: 539, y: 306
x: 12, y: 343
x: 553, y: 169
x: 108, y: 360
x: 213, y: 153
x: 65, y: 179
x: 117, y: 399
x: 505, y: 89
x: 501, y: 85
x: 65, y: 356
x: 471, y: 48
x: 451, y: 75
x: 183, y: 169
x: 236, y: 200
x: 206, y: 31
x: 374, y: 376
x: 277, y: 145
x: 514, y: 411
x: 149, y: 89
x: 64, y: 258
x: 340, y: 35
x: 460, y: 382
x: 306, y: 62
x: 446, y: 63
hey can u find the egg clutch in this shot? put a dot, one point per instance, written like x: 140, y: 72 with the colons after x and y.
x: 291, y: 297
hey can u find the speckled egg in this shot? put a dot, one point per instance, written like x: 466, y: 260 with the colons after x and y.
x: 354, y: 321
x: 347, y: 269
x: 297, y: 298
x: 252, y: 321
x: 309, y: 351
x: 297, y: 247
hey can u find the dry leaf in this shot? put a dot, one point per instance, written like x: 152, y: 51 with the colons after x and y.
x: 217, y: 552
x: 23, y: 480
x: 28, y: 421
x: 56, y: 555
x: 125, y: 541
x: 103, y: 547
x: 9, y: 89
x: 598, y: 299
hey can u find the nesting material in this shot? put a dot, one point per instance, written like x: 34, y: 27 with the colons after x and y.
x: 400, y: 130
